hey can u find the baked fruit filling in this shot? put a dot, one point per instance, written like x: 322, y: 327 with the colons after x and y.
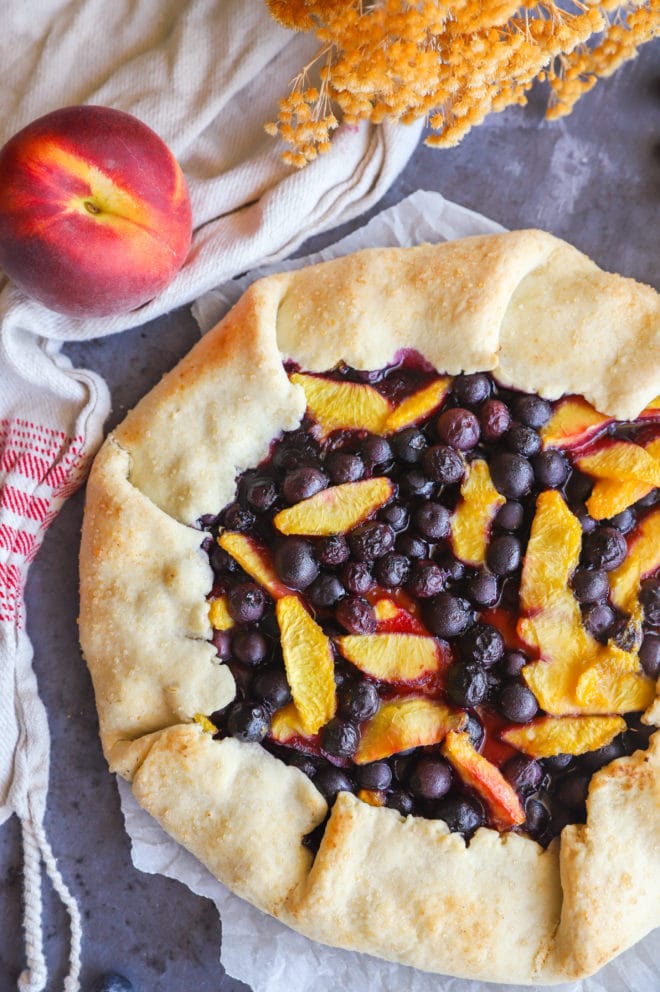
x: 444, y: 595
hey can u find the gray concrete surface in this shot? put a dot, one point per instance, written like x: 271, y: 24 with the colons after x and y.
x: 593, y: 179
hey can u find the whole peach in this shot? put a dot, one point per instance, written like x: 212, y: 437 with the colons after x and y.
x: 94, y: 211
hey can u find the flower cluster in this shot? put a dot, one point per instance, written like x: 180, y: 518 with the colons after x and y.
x: 451, y: 62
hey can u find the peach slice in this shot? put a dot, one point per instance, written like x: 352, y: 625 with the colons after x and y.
x: 643, y: 559
x: 576, y: 674
x: 414, y: 721
x: 372, y: 797
x: 335, y: 510
x: 343, y: 405
x: 219, y: 615
x: 255, y: 559
x: 393, y: 618
x: 652, y: 411
x: 611, y: 496
x: 392, y: 657
x: 621, y: 460
x: 309, y: 664
x: 472, y: 518
x: 419, y: 405
x: 550, y: 735
x: 573, y: 422
x: 485, y: 778
x: 286, y: 725
x: 205, y: 723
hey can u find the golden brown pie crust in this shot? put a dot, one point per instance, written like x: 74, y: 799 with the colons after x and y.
x: 547, y: 320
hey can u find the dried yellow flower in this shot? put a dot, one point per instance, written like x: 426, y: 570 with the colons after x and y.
x: 450, y: 62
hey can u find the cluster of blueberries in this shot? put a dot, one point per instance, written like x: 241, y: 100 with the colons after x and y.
x: 406, y: 545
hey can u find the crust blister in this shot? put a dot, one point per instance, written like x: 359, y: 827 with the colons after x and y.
x: 546, y: 320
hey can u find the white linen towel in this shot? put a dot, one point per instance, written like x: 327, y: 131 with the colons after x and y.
x: 206, y: 76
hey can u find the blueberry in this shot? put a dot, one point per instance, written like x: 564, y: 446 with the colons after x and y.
x: 471, y: 389
x: 339, y: 738
x: 409, y: 445
x: 412, y: 546
x: 371, y: 540
x: 330, y: 781
x: 333, y: 550
x: 443, y: 464
x: 401, y: 801
x: 537, y: 817
x: 357, y: 700
x: 415, y: 483
x: 523, y: 440
x: 550, y: 469
x: 377, y: 776
x: 482, y: 644
x: 504, y: 554
x: 649, y: 597
x: 236, y: 517
x: 649, y: 655
x: 467, y: 685
x: 295, y: 563
x: 250, y: 647
x: 357, y: 577
x: 271, y: 686
x: 587, y: 523
x: 512, y: 474
x: 392, y: 569
x: 599, y: 619
x: 462, y: 814
x: 494, y: 419
x: 482, y: 589
x: 344, y: 467
x: 221, y: 641
x: 261, y: 494
x: 578, y: 487
x: 112, y: 982
x: 325, y: 591
x: 221, y: 561
x: 557, y: 762
x: 396, y: 515
x: 593, y: 760
x: 426, y: 580
x: 649, y: 500
x: 604, y: 548
x: 376, y: 450
x: 454, y: 568
x: 301, y: 483
x: 432, y: 521
x: 513, y: 663
x: 247, y: 722
x: 475, y: 730
x: 510, y: 516
x: 430, y: 778
x: 624, y: 521
x: 524, y: 774
x: 590, y: 586
x: 571, y: 790
x: 356, y: 615
x: 246, y: 602
x: 304, y: 762
x: 517, y: 702
x: 448, y: 615
x: 532, y: 410
x: 459, y: 428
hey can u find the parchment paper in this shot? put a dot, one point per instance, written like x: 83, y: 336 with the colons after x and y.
x: 256, y: 948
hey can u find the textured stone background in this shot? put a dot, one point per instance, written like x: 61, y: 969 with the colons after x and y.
x: 593, y: 179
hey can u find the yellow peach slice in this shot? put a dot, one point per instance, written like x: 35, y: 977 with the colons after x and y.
x: 286, y: 725
x: 335, y: 510
x: 485, y: 778
x: 414, y: 721
x: 219, y: 616
x: 621, y: 460
x: 343, y: 405
x: 611, y: 496
x: 372, y: 797
x: 392, y: 657
x: 255, y: 559
x: 550, y: 735
x: 573, y: 422
x: 651, y: 411
x: 472, y: 518
x: 643, y: 558
x: 309, y: 664
x: 576, y: 674
x: 418, y: 406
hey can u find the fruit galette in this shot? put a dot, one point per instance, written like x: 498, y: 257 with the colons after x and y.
x: 371, y: 602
